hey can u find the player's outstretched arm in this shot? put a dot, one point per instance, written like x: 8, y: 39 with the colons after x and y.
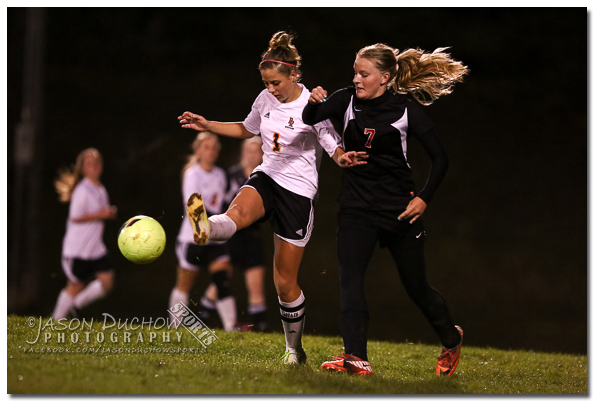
x: 193, y: 121
x: 199, y: 123
x: 349, y: 159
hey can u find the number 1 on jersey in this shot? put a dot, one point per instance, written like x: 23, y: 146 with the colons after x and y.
x: 276, y: 146
x: 370, y: 133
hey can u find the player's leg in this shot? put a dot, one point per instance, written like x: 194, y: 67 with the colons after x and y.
x: 220, y: 270
x: 77, y: 295
x: 356, y: 240
x: 254, y: 277
x: 410, y: 260
x: 180, y: 293
x: 74, y: 285
x: 286, y: 264
x: 247, y: 255
x: 208, y: 308
x: 246, y: 208
x: 95, y: 290
x: 186, y: 274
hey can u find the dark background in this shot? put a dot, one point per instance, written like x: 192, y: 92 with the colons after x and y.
x: 507, y: 231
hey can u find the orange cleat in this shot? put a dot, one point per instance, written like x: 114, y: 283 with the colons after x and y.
x: 449, y: 358
x: 349, y: 364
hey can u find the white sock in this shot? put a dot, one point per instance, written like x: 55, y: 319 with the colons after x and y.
x: 222, y: 227
x: 292, y: 317
x: 89, y: 294
x: 226, y: 308
x: 63, y: 305
x: 175, y: 297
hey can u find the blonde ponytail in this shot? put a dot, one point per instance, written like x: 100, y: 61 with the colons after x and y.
x: 425, y: 76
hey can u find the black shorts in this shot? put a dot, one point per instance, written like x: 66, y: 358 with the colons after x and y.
x: 193, y: 257
x: 291, y: 215
x: 246, y: 248
x: 401, y: 234
x: 79, y: 270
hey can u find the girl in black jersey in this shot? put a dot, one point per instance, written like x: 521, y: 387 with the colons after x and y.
x: 380, y: 114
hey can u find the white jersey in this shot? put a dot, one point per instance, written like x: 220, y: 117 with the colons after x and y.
x: 84, y: 240
x: 212, y: 186
x: 292, y: 149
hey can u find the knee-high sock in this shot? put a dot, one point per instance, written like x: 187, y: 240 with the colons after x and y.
x: 89, y: 294
x: 226, y: 303
x: 226, y: 308
x: 175, y: 297
x: 63, y: 305
x: 292, y: 317
x: 222, y: 227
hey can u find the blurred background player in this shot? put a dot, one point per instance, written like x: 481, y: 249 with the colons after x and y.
x: 85, y: 260
x: 378, y: 201
x: 282, y: 189
x: 247, y: 253
x: 201, y: 174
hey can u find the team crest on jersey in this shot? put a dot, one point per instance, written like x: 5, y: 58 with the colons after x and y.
x: 267, y: 115
x: 290, y: 123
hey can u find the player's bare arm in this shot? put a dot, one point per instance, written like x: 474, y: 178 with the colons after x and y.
x: 199, y: 123
x: 110, y: 212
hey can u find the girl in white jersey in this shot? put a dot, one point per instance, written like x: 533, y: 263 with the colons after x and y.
x: 283, y: 187
x: 201, y: 174
x: 84, y: 255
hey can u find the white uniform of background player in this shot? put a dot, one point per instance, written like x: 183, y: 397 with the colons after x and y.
x: 201, y: 175
x: 85, y: 258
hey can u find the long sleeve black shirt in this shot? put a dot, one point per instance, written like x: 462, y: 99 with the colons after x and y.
x: 382, y: 127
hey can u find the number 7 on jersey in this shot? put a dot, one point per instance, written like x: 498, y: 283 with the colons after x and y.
x: 370, y: 133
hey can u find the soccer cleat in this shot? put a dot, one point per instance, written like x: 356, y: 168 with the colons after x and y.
x: 449, y: 358
x: 294, y: 356
x: 242, y: 327
x: 348, y: 364
x: 198, y: 219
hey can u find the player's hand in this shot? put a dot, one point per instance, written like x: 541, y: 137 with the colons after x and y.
x: 414, y: 210
x: 352, y: 158
x: 318, y: 95
x: 193, y: 121
x: 110, y: 212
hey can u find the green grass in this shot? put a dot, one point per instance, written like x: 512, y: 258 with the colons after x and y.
x: 249, y: 363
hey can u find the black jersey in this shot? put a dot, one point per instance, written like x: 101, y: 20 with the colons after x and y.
x: 236, y: 179
x: 382, y: 127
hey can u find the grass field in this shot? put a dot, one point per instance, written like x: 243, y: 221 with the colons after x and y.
x: 249, y: 363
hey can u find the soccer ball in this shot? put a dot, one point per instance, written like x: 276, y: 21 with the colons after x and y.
x: 141, y: 239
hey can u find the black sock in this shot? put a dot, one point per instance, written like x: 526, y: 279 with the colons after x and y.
x: 223, y: 284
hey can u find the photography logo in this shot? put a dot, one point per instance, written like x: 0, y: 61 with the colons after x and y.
x: 183, y: 316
